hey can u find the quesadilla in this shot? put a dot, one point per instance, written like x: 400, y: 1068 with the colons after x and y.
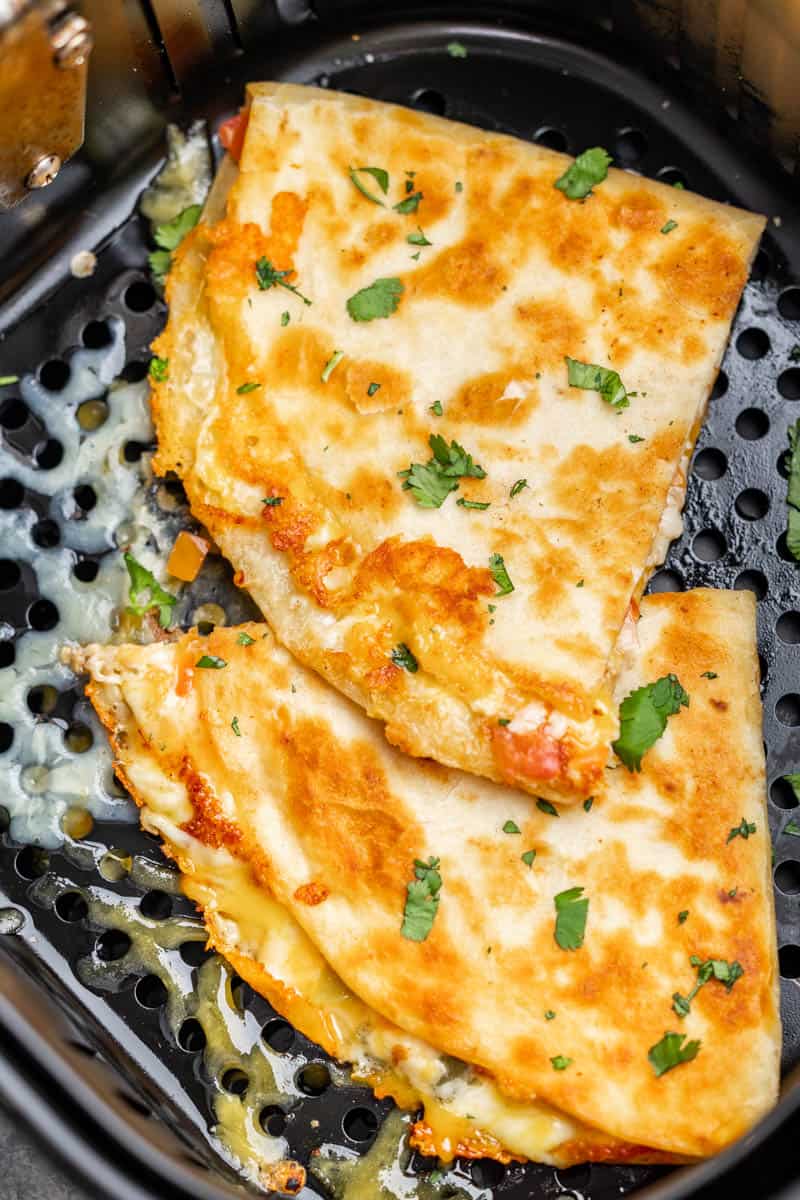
x: 434, y: 399
x: 557, y: 985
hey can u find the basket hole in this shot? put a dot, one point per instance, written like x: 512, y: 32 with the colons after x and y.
x: 194, y: 954
x: 32, y: 862
x: 787, y: 877
x: 96, y: 335
x: 278, y: 1034
x: 313, y: 1079
x: 157, y: 905
x: 42, y: 699
x: 789, y: 304
x: 671, y: 176
x: 54, y: 375
x: 85, y: 497
x: 487, y: 1173
x: 752, y: 343
x: 781, y: 793
x: 191, y: 1036
x: 787, y: 628
x: 429, y: 100
x: 787, y: 710
x: 12, y: 493
x: 552, y: 138
x: 10, y: 574
x: 13, y: 414
x: 71, y: 907
x: 150, y: 992
x: 6, y: 737
x: 112, y: 945
x: 630, y: 146
x: 360, y: 1124
x: 789, y: 383
x: 134, y: 372
x: 8, y: 654
x: 86, y: 570
x: 789, y: 962
x: 720, y: 386
x: 133, y: 451
x: 751, y: 581
x: 752, y: 504
x: 48, y: 455
x: 235, y: 1081
x: 139, y: 296
x: 709, y: 545
x: 752, y: 424
x: 710, y: 464
x: 272, y: 1120
x: 666, y: 580
x: 78, y: 738
x: 46, y: 534
x: 43, y: 615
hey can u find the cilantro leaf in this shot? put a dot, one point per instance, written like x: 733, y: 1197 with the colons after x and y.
x: 456, y: 50
x: 436, y: 408
x: 587, y: 804
x: 409, y: 205
x: 500, y: 575
x: 546, y: 807
x: 235, y: 727
x: 794, y: 783
x: 268, y: 277
x: 159, y: 262
x: 560, y: 1063
x: 713, y: 968
x: 481, y: 505
x: 580, y: 177
x: 159, y: 369
x: 643, y: 718
x: 528, y: 857
x: 272, y: 501
x: 401, y: 656
x: 432, y: 482
x: 671, y: 1052
x: 743, y: 830
x: 793, y: 493
x: 244, y: 639
x: 683, y: 915
x: 633, y: 438
x: 549, y: 1015
x: 511, y: 827
x: 170, y: 234
x: 592, y: 378
x: 418, y: 238
x: 210, y: 662
x: 517, y: 487
x: 146, y: 592
x: 454, y: 459
x: 380, y: 176
x: 670, y: 225
x: 709, y: 675
x: 792, y: 828
x: 244, y: 388
x: 285, y: 317
x: 331, y: 365
x: 422, y: 900
x: 572, y: 909
x: 380, y: 299
x: 373, y: 388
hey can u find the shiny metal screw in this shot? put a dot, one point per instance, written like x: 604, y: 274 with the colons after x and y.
x: 44, y: 171
x: 72, y: 42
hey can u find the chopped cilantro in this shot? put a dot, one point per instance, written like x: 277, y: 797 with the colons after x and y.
x: 634, y: 438
x: 587, y: 804
x: 432, y: 482
x: 159, y: 369
x: 159, y: 262
x: 580, y: 177
x: 670, y: 225
x: 7, y: 380
x: 528, y: 857
x: 793, y: 493
x: 794, y: 353
x: 272, y: 501
x: 235, y: 727
x: 794, y: 783
x: 482, y: 505
x: 643, y: 718
x: 145, y: 592
x: 682, y: 916
x: 518, y: 487
x: 380, y: 299
x: 549, y: 1015
x: 373, y: 388
x: 331, y: 365
x: 671, y: 1052
x: 546, y: 807
x: 285, y: 318
x: 743, y: 830
x: 459, y: 186
x: 244, y: 639
x: 503, y: 720
x: 168, y: 236
x: 792, y: 828
x: 244, y: 388
x: 580, y: 583
x: 380, y: 176
x: 409, y: 205
x: 456, y: 50
x: 679, y: 184
x: 401, y: 656
x: 418, y: 238
x: 210, y: 662
x: 500, y: 575
x: 713, y: 968
x: 511, y: 827
x: 572, y: 909
x: 436, y: 408
x: 268, y: 277
x: 709, y: 675
x: 422, y: 900
x: 560, y: 1063
x: 592, y: 378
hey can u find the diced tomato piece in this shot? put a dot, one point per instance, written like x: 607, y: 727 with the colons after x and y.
x: 231, y: 133
x: 526, y: 757
x: 187, y: 556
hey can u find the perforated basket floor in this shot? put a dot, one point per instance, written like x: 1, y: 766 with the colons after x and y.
x: 565, y: 97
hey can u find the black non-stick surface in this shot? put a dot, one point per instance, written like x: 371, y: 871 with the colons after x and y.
x: 556, y: 93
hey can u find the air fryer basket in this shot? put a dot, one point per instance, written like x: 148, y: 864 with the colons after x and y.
x: 97, y: 1071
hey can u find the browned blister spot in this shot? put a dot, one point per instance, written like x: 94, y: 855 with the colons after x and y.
x: 702, y: 269
x: 552, y: 329
x: 637, y: 210
x: 394, y: 390
x: 506, y: 397
x: 312, y: 893
x: 209, y: 824
x: 471, y: 272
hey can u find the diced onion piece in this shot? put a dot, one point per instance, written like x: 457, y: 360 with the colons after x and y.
x: 187, y: 556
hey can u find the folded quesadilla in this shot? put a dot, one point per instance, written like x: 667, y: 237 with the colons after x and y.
x: 433, y: 391
x: 593, y: 983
